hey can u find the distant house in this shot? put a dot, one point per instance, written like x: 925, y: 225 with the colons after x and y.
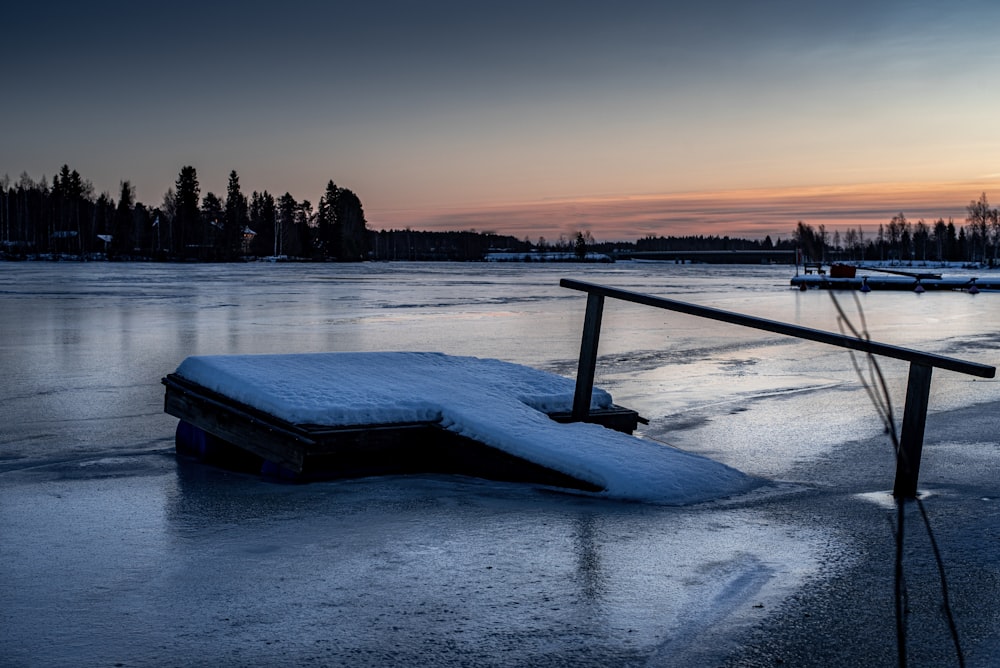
x: 248, y: 236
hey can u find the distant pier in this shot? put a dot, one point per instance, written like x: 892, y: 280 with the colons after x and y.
x: 713, y: 256
x: 848, y: 277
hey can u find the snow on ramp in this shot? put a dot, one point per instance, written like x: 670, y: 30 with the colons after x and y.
x: 497, y: 403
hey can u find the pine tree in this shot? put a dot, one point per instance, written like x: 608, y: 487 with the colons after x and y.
x: 288, y: 241
x: 69, y: 192
x: 236, y: 218
x: 326, y: 218
x: 351, y: 226
x: 123, y: 232
x: 212, y: 221
x: 262, y: 220
x: 186, y: 214
x: 343, y: 232
x: 305, y: 228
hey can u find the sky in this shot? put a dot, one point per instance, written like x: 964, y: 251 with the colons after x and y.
x: 626, y: 119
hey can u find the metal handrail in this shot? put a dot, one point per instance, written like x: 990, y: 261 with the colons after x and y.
x: 918, y: 384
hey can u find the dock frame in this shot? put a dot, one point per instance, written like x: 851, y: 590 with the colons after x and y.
x: 304, y: 452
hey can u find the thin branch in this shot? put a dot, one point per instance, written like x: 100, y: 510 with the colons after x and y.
x: 878, y: 391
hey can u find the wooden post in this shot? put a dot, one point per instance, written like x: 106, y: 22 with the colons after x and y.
x: 911, y: 439
x: 588, y: 357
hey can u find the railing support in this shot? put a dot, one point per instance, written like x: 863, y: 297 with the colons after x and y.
x: 588, y: 357
x: 911, y: 437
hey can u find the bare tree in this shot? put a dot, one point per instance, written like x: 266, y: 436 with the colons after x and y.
x: 978, y: 217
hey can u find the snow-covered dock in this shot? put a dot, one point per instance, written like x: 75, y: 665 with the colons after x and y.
x: 960, y: 284
x: 848, y: 277
x: 357, y: 414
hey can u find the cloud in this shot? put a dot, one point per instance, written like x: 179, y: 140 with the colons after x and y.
x: 737, y: 213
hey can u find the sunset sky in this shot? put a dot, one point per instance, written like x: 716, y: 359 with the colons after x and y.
x: 525, y: 118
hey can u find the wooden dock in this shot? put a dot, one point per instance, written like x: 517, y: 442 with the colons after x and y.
x: 222, y: 431
x: 909, y: 283
x: 847, y: 277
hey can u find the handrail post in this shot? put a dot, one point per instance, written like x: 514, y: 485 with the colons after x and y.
x: 911, y: 439
x: 588, y: 356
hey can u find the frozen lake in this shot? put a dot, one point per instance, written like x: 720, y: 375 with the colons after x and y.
x: 112, y: 552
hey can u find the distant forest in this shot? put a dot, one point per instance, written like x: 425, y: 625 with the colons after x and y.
x: 901, y: 240
x: 66, y: 220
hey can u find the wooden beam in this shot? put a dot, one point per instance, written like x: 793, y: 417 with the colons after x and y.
x: 588, y: 356
x: 271, y: 441
x: 911, y: 438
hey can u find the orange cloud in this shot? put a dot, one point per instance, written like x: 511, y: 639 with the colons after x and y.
x: 738, y: 213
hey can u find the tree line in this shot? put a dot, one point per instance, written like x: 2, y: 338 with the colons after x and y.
x: 901, y: 240
x: 66, y: 218
x: 709, y: 243
x: 410, y: 244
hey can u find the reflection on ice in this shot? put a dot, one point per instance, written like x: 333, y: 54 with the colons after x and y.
x: 228, y: 570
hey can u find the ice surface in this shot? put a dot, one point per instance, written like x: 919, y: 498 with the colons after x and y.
x: 112, y: 551
x: 500, y: 404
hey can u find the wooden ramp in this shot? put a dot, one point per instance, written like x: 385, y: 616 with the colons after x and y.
x: 223, y: 431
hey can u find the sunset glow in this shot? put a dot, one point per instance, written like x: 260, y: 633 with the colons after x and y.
x: 738, y: 213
